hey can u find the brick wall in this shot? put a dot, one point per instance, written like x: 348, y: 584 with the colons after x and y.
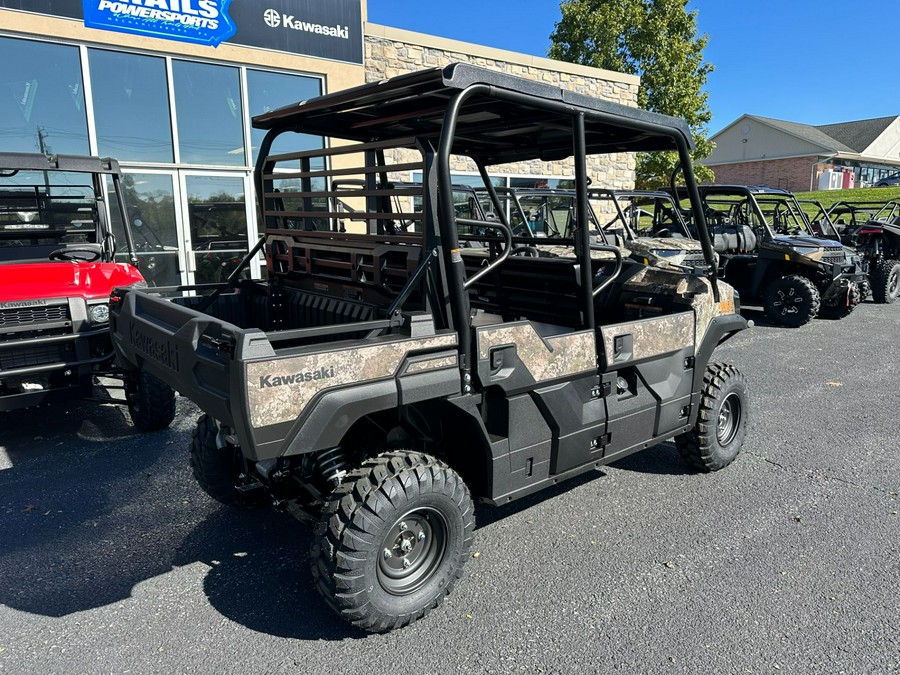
x: 789, y: 174
x: 390, y: 56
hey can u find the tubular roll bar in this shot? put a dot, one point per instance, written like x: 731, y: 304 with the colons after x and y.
x: 507, y: 246
x: 616, y: 252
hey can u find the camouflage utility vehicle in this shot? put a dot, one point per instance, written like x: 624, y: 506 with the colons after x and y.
x: 873, y: 229
x: 641, y: 224
x: 379, y: 380
x: 548, y: 218
x: 769, y: 250
x: 650, y: 226
x: 57, y: 268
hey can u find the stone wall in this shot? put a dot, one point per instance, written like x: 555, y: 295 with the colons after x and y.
x: 390, y: 52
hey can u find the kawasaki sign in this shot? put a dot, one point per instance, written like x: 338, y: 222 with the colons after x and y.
x: 330, y: 29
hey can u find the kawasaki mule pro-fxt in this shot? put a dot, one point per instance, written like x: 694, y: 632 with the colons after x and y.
x: 381, y: 379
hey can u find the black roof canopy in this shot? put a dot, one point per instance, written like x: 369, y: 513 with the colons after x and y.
x: 509, y: 119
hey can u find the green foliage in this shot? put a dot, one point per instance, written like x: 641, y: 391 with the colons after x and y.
x: 657, y: 40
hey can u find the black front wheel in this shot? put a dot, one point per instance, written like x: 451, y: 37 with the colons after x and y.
x: 392, y: 540
x: 886, y: 281
x: 844, y: 306
x: 718, y: 435
x: 792, y: 301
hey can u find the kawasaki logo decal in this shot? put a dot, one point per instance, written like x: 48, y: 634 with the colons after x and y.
x: 162, y: 351
x: 268, y: 381
x: 16, y: 304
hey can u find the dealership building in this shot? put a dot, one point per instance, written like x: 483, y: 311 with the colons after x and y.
x: 168, y: 87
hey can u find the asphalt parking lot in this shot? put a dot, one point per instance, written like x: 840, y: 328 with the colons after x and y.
x: 788, y: 561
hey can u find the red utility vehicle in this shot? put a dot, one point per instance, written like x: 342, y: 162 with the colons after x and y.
x: 57, y: 268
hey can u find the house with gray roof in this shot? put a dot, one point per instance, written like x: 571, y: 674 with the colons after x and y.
x: 756, y: 150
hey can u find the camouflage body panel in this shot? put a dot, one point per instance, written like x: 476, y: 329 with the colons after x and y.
x: 545, y: 358
x: 651, y: 337
x: 279, y: 390
x: 686, y: 252
x: 558, y: 251
x: 433, y: 364
x: 692, y: 290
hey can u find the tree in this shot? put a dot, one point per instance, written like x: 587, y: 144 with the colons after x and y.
x: 657, y: 40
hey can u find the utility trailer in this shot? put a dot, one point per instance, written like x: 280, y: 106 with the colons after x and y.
x: 379, y: 381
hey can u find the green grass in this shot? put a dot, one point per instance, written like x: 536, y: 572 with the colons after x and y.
x: 829, y: 197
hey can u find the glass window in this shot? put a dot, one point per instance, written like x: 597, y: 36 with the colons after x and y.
x: 269, y: 91
x: 217, y: 217
x: 131, y: 106
x: 210, y: 115
x: 150, y: 200
x: 41, y: 98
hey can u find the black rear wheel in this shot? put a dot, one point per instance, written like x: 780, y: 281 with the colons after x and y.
x: 215, y: 463
x: 791, y: 301
x: 886, y: 281
x: 718, y: 435
x: 151, y: 402
x: 392, y: 540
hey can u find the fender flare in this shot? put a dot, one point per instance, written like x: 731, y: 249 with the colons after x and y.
x: 720, y: 329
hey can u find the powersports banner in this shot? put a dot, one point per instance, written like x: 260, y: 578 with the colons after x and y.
x: 204, y: 22
x: 330, y: 29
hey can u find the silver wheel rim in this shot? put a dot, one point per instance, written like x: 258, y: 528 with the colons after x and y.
x: 729, y: 419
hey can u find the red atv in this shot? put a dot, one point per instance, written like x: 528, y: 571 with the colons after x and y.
x: 57, y: 268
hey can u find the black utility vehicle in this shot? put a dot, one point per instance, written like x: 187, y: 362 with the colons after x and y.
x: 769, y: 250
x: 377, y: 381
x: 873, y: 228
x: 58, y: 264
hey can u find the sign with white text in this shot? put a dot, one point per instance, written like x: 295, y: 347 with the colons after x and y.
x: 204, y: 22
x: 328, y: 29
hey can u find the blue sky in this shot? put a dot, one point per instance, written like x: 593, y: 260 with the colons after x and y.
x: 798, y: 60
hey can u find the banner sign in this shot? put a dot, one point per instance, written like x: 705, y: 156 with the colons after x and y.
x: 329, y: 29
x: 204, y: 22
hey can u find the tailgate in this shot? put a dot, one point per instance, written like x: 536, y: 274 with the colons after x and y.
x: 196, y: 354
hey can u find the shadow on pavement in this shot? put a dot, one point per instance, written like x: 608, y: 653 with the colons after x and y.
x: 660, y: 460
x: 88, y: 515
x: 758, y: 317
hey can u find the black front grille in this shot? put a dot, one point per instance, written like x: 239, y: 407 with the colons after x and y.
x: 32, y: 356
x: 20, y: 335
x: 26, y: 316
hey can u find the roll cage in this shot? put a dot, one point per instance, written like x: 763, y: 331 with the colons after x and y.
x: 52, y: 201
x: 464, y: 110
